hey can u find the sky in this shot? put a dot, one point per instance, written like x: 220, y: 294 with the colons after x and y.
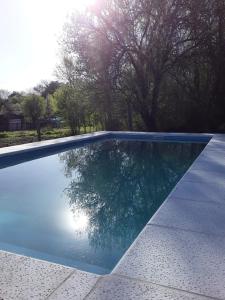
x: 29, y: 35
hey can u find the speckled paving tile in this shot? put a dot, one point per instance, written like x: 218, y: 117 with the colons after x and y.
x: 184, y: 260
x: 216, y: 141
x: 120, y: 288
x: 218, y: 137
x: 217, y: 157
x: 204, y: 176
x: 77, y: 286
x: 212, y: 166
x: 27, y: 278
x: 192, y: 215
x: 216, y: 146
x: 8, y: 262
x: 210, y: 192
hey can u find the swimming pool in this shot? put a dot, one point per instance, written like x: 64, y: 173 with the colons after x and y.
x: 83, y: 206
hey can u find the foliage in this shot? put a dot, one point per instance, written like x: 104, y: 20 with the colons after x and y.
x: 51, y: 107
x: 34, y: 108
x: 150, y: 65
x: 10, y: 103
x: 72, y: 106
x: 138, y: 65
x: 10, y: 138
x: 45, y: 88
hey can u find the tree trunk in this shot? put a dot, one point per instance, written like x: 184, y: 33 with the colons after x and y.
x: 149, y: 115
x: 148, y: 120
x: 129, y: 116
x: 38, y: 128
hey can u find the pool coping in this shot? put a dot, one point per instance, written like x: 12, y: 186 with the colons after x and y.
x: 154, y: 136
x: 208, y: 173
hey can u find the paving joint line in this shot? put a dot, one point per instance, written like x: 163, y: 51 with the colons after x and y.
x: 95, y: 285
x: 164, y: 286
x: 61, y: 283
x: 186, y: 230
x: 202, y: 181
x: 193, y: 168
x: 213, y: 202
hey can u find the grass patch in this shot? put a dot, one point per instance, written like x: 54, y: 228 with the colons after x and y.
x: 11, y: 138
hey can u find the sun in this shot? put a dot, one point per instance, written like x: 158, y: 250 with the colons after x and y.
x: 78, y: 221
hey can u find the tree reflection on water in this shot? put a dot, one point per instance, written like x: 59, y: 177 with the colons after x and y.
x: 120, y: 184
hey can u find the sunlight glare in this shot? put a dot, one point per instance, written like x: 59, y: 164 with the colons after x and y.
x: 72, y: 5
x: 78, y: 221
x: 43, y: 22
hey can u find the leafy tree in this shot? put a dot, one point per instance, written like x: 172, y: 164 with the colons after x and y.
x: 69, y: 104
x: 10, y: 103
x: 139, y: 65
x: 148, y: 62
x: 122, y: 39
x: 45, y: 88
x: 34, y: 109
x: 51, y: 107
x: 4, y: 94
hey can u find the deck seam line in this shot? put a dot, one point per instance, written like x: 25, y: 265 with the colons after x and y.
x: 61, y: 283
x: 213, y: 202
x: 95, y: 285
x: 186, y: 230
x: 201, y: 181
x: 208, y: 169
x: 162, y: 285
x: 212, y: 150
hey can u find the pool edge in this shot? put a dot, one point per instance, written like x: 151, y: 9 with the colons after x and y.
x: 98, y: 283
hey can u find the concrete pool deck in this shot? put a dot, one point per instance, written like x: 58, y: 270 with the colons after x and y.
x: 180, y: 253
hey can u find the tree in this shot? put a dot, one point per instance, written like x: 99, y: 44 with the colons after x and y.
x: 149, y: 61
x: 4, y: 94
x: 51, y: 107
x: 69, y: 102
x: 137, y: 39
x: 45, y: 88
x: 34, y: 109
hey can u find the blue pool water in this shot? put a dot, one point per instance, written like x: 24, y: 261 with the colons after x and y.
x: 83, y: 207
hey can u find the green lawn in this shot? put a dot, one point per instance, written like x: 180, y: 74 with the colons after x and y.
x: 10, y: 138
